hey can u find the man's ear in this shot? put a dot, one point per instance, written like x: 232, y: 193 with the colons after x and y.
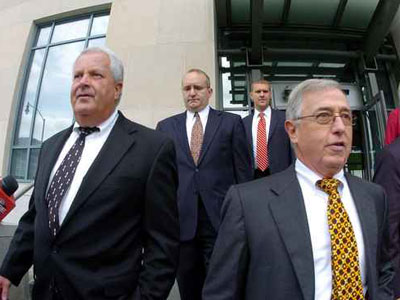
x: 118, y: 90
x: 210, y: 92
x: 291, y: 130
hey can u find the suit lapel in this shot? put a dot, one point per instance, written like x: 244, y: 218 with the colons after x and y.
x: 248, y: 123
x: 272, y: 126
x: 290, y: 216
x: 51, y: 153
x: 213, y: 121
x: 182, y: 135
x: 119, y: 141
x: 367, y: 214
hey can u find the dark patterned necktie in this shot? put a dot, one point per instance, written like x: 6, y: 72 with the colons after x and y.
x: 346, y: 273
x: 262, y: 146
x: 63, y: 177
x: 196, y: 140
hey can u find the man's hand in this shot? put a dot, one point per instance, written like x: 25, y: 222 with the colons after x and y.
x: 4, y: 287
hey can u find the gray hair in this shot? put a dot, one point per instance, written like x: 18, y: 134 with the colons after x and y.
x: 293, y: 110
x: 116, y: 66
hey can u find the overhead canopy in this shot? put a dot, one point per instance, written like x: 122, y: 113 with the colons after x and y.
x: 291, y: 40
x: 341, y: 25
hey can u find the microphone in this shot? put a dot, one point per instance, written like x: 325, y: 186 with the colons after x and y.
x: 7, y: 201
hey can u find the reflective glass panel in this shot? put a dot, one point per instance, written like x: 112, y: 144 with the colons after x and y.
x: 273, y: 11
x: 33, y: 162
x: 304, y: 11
x: 70, y: 30
x: 18, y: 163
x: 26, y: 113
x: 100, y: 25
x: 240, y: 11
x: 331, y: 65
x: 227, y: 92
x: 294, y: 64
x: 44, y: 35
x: 358, y: 13
x: 54, y: 111
x: 97, y: 42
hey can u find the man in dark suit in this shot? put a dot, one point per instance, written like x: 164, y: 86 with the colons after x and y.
x: 112, y: 226
x: 212, y: 154
x: 265, y: 129
x: 311, y: 231
x: 387, y: 174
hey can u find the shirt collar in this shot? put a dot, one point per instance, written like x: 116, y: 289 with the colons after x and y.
x: 103, y: 125
x: 204, y: 112
x: 266, y: 112
x: 311, y: 177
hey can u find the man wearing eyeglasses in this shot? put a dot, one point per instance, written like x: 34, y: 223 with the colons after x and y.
x: 311, y: 231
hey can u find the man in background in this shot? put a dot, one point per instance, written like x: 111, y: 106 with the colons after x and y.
x: 212, y: 154
x: 265, y: 129
x: 387, y: 174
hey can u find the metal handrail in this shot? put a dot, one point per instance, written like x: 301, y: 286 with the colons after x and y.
x: 20, y: 192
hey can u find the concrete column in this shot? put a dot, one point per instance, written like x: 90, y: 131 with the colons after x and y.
x: 159, y: 40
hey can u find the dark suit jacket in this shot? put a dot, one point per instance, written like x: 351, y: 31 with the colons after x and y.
x: 280, y: 152
x: 126, y: 202
x: 263, y: 250
x: 387, y: 174
x: 224, y: 160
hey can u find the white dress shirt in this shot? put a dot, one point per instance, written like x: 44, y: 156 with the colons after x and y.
x: 93, y: 144
x: 316, y: 203
x: 256, y: 119
x: 190, y: 119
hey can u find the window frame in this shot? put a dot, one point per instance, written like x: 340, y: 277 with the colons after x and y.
x: 29, y: 147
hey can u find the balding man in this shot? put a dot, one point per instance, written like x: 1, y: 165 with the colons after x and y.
x: 212, y: 154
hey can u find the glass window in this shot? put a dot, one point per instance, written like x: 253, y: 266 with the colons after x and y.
x: 240, y: 11
x: 18, y: 164
x: 25, y: 120
x: 234, y: 87
x: 303, y: 12
x: 44, y: 35
x: 97, y: 42
x: 358, y: 14
x: 100, y: 25
x: 70, y: 30
x: 45, y: 105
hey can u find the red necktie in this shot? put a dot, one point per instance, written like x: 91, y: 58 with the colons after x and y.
x: 262, y: 146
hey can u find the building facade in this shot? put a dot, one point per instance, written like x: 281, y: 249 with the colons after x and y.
x: 234, y: 41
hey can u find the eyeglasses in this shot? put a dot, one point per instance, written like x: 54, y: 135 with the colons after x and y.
x: 327, y: 118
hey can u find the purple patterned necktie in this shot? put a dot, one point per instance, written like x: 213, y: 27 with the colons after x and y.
x: 63, y: 177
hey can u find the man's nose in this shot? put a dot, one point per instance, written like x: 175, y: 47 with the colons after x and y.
x: 338, y: 124
x: 192, y: 91
x: 84, y: 80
